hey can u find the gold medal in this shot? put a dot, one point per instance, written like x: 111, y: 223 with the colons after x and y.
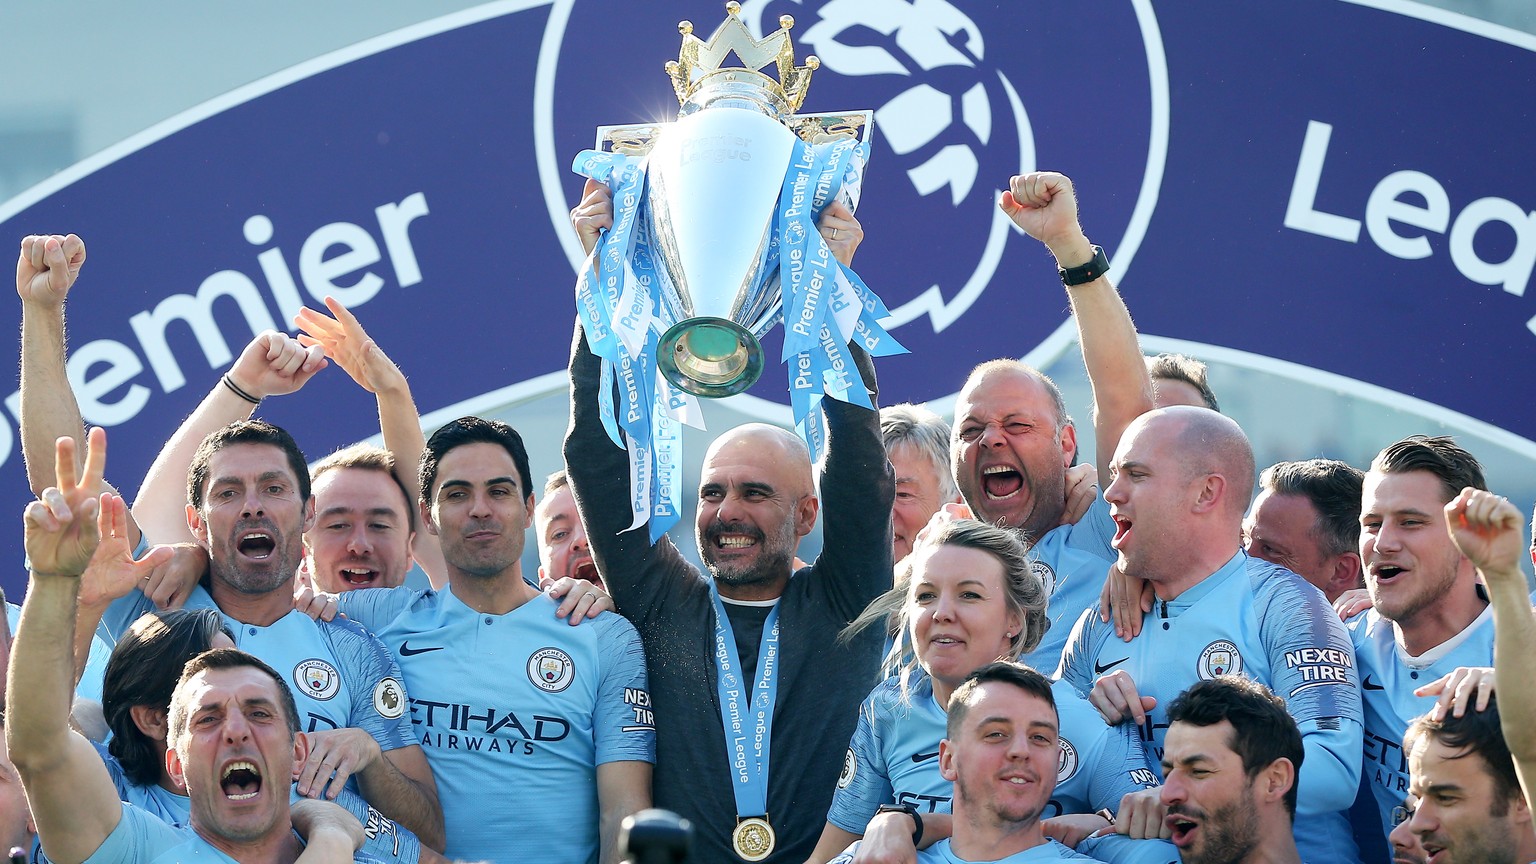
x: 753, y: 838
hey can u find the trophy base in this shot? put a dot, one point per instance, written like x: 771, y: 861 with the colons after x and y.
x: 710, y: 357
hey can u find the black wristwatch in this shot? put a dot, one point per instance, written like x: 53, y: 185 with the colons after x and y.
x: 1085, y: 273
x: 917, y: 818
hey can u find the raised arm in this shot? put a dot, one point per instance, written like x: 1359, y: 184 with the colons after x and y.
x: 1044, y: 205
x: 73, y: 801
x: 45, y: 271
x: 273, y: 364
x: 347, y: 344
x: 1487, y: 529
x: 597, y: 468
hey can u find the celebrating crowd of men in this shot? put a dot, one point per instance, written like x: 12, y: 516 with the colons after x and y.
x: 1304, y: 675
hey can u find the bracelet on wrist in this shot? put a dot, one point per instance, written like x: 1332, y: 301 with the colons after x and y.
x: 235, y: 389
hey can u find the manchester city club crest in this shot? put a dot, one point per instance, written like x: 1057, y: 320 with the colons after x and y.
x: 850, y: 769
x: 551, y: 669
x: 957, y: 111
x: 1045, y: 574
x: 317, y: 679
x: 1220, y: 658
x: 1066, y: 764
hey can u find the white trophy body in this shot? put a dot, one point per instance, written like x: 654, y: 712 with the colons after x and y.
x: 716, y: 177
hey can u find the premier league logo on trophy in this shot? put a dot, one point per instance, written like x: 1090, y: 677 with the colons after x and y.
x: 714, y: 242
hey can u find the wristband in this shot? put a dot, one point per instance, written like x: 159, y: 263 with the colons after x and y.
x: 1085, y: 273
x: 917, y: 818
x: 235, y: 389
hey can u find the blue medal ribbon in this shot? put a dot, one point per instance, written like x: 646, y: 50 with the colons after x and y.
x: 747, y: 716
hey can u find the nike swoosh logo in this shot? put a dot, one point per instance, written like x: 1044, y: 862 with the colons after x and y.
x: 924, y: 757
x: 407, y: 651
x: 1100, y: 670
x: 1372, y: 686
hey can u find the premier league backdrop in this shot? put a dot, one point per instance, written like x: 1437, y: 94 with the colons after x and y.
x: 1344, y: 186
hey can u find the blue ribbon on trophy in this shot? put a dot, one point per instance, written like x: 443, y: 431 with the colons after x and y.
x: 714, y: 242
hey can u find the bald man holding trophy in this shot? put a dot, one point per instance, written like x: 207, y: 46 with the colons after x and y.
x: 704, y: 234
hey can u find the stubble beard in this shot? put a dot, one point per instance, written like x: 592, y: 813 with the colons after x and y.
x: 1230, y: 833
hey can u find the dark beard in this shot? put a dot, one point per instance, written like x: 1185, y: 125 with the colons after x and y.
x: 1230, y: 833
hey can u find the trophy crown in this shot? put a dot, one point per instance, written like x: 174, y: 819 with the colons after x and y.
x: 699, y: 61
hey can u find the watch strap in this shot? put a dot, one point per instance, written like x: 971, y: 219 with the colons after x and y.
x: 917, y: 818
x: 1085, y: 273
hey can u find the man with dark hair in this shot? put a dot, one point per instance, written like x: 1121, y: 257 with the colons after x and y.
x: 917, y: 445
x: 1182, y: 478
x: 1429, y: 615
x: 233, y: 728
x: 1001, y: 749
x: 563, y: 548
x: 1469, y: 807
x: 1180, y: 380
x: 566, y: 722
x: 1306, y: 518
x: 1230, y: 765
x: 248, y: 506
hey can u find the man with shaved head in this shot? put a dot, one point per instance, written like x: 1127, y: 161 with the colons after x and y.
x: 1180, y: 481
x: 754, y: 696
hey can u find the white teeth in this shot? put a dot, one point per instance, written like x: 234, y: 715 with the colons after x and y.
x: 243, y: 797
x: 239, y: 766
x: 259, y: 535
x: 736, y: 541
x: 997, y: 469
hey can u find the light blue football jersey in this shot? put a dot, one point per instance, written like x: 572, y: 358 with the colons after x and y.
x: 1262, y: 621
x: 340, y: 675
x: 1071, y: 560
x: 1388, y: 677
x: 516, y: 712
x: 385, y: 840
x: 894, y: 758
x: 144, y: 838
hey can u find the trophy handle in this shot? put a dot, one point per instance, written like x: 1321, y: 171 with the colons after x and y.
x: 630, y: 139
x: 834, y: 126
x: 830, y: 126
